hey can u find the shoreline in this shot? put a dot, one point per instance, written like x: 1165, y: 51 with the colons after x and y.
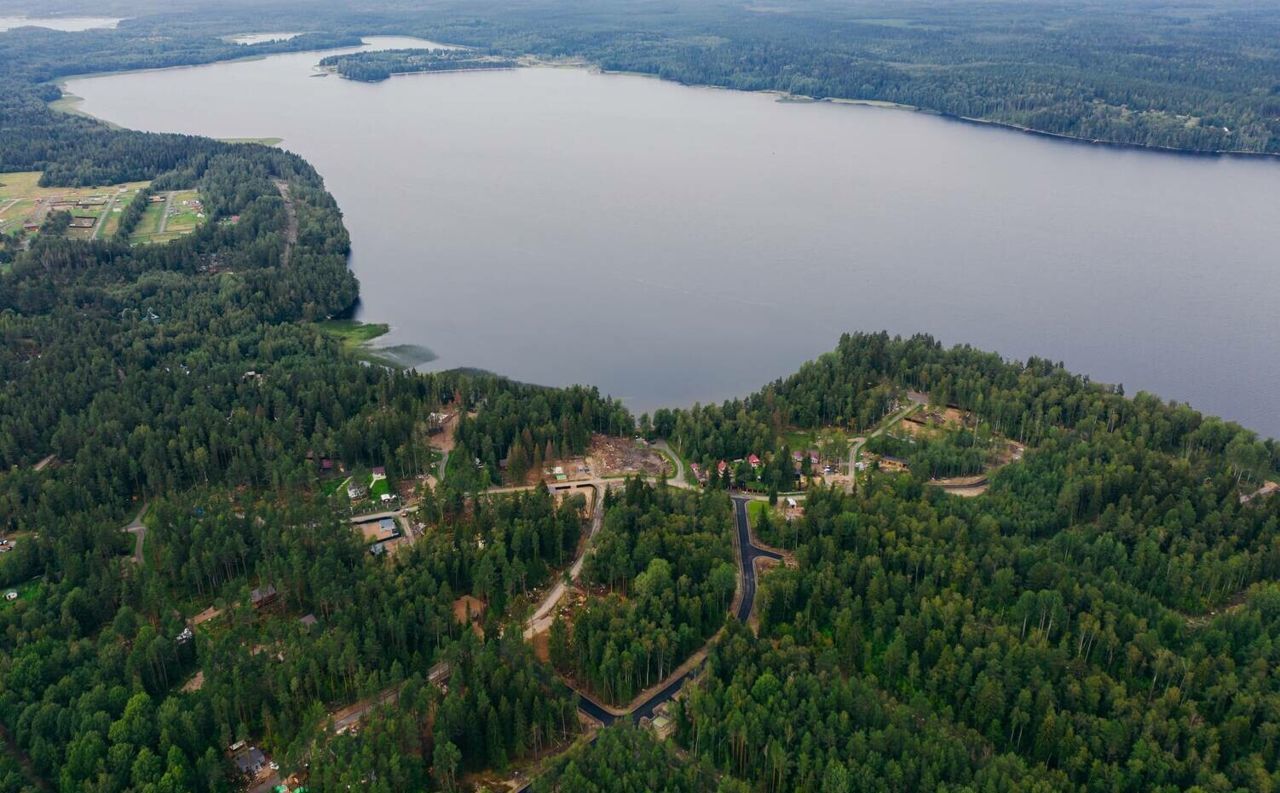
x: 534, y: 60
x: 790, y: 98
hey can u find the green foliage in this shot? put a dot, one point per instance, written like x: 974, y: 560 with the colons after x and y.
x: 372, y: 67
x: 627, y: 759
x: 666, y: 557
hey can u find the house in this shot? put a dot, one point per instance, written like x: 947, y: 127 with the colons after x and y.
x: 753, y: 460
x: 326, y: 465
x: 721, y: 467
x: 308, y: 621
x: 262, y: 596
x: 379, y: 472
x: 249, y: 760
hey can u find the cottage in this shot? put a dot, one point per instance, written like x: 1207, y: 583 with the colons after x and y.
x: 249, y: 760
x: 379, y: 472
x: 753, y: 460
x: 262, y: 596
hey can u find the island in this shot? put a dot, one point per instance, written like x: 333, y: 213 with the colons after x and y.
x: 379, y: 65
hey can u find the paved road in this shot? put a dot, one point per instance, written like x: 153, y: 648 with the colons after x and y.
x: 351, y: 715
x: 748, y: 552
x: 676, y: 480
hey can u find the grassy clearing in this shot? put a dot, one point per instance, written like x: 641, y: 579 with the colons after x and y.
x: 352, y: 333
x: 185, y: 213
x: 355, y: 336
x: 378, y: 489
x: 26, y: 591
x: 23, y: 201
x: 332, y: 486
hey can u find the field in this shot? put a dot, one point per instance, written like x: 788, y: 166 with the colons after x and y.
x: 24, y: 204
x: 351, y: 332
x: 170, y: 216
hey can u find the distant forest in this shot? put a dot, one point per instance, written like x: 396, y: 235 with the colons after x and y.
x: 372, y: 67
x: 1196, y: 76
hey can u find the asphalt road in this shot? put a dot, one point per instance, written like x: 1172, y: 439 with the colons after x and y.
x: 748, y: 553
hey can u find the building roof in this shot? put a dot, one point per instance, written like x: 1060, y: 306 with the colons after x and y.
x: 262, y: 594
x: 249, y: 761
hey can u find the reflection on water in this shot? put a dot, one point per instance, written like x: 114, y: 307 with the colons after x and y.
x: 673, y: 244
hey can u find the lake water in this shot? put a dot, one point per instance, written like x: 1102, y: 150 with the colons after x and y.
x: 672, y: 244
x: 68, y: 24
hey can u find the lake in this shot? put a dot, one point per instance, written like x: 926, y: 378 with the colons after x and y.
x: 673, y: 244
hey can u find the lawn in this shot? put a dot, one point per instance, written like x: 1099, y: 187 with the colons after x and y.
x: 26, y: 591
x: 331, y: 486
x: 185, y: 212
x: 379, y: 488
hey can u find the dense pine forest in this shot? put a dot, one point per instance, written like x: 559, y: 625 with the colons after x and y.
x: 1105, y: 616
x: 372, y: 67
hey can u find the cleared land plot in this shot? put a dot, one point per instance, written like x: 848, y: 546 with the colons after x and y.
x: 25, y: 204
x: 175, y: 215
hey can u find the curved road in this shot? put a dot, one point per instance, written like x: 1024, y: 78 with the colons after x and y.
x: 677, y: 479
x: 748, y: 552
x: 139, y: 531
x: 543, y: 614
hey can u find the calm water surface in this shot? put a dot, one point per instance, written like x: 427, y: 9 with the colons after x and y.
x: 673, y: 244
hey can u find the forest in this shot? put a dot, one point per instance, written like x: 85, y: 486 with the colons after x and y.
x: 1105, y: 617
x: 663, y: 577
x: 373, y: 67
x: 188, y: 381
